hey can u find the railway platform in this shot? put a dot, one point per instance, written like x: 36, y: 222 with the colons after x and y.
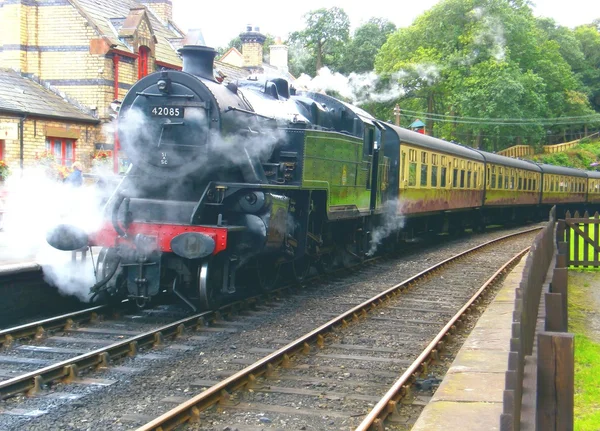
x: 470, y: 395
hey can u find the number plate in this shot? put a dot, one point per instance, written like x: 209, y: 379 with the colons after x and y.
x: 167, y: 111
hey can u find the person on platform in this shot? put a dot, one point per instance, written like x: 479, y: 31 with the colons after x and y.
x: 75, y: 178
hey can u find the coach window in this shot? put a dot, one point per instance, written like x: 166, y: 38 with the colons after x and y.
x: 412, y: 168
x: 403, y: 166
x: 434, y: 170
x: 500, y: 175
x: 469, y: 175
x: 444, y: 163
x: 424, y: 169
x: 534, y: 184
x: 62, y: 149
x: 455, y: 174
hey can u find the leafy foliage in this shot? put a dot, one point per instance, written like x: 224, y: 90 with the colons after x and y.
x: 359, y: 54
x: 488, y: 60
x: 326, y: 32
x: 581, y: 156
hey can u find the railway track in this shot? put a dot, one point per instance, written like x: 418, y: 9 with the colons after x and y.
x: 95, y: 344
x: 199, y: 333
x: 340, y: 373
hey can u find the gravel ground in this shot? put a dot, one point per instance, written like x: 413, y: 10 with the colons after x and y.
x: 176, y: 370
x: 395, y: 337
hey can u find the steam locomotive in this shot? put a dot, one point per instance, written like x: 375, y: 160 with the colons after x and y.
x: 234, y: 184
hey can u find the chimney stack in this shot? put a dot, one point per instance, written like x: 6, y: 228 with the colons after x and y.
x: 278, y: 56
x: 252, y: 46
x: 163, y: 9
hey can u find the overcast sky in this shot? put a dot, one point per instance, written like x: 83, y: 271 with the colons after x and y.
x: 221, y: 21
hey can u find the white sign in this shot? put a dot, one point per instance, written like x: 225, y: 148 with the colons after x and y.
x: 9, y: 131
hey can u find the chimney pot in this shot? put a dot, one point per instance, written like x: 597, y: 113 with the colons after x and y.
x: 249, y: 27
x: 257, y: 29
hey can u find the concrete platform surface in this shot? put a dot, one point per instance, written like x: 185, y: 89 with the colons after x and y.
x: 470, y: 396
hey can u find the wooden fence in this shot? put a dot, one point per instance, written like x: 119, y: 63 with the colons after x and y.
x: 582, y: 233
x: 518, y: 151
x: 539, y: 380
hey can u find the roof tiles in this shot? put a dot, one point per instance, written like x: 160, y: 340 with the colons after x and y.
x: 22, y: 95
x: 106, y: 13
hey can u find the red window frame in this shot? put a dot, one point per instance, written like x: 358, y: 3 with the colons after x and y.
x: 1, y: 149
x: 60, y: 153
x: 143, y: 57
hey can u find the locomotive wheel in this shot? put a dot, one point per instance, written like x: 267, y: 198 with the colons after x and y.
x: 301, y: 268
x: 208, y: 280
x: 268, y: 276
x: 326, y: 263
x: 106, y: 261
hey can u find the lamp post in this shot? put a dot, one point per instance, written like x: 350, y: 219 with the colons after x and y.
x: 397, y: 111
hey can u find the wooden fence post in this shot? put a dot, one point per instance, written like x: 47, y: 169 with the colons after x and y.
x: 559, y: 285
x: 555, y: 382
x: 555, y: 321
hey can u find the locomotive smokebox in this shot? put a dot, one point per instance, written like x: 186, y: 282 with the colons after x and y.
x: 198, y: 60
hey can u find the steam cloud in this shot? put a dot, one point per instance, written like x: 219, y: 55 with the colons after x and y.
x: 392, y: 221
x: 490, y: 34
x: 34, y: 205
x: 359, y: 88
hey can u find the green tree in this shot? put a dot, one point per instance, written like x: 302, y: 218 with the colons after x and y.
x: 589, y: 74
x: 326, y: 32
x: 487, y: 60
x: 359, y: 54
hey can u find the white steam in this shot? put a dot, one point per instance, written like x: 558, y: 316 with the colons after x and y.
x: 34, y: 204
x: 392, y: 221
x: 359, y: 88
x: 490, y: 34
x: 367, y: 87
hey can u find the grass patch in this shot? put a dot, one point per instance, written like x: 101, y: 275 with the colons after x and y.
x: 587, y: 353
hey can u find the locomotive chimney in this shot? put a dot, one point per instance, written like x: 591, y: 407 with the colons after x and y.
x: 198, y: 60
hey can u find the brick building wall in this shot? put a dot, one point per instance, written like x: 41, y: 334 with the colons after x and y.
x: 69, y: 46
x: 37, y: 130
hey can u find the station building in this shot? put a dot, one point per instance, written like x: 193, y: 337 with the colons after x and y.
x: 79, y: 58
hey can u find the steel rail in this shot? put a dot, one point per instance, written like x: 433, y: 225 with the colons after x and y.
x: 38, y: 328
x: 388, y: 403
x: 31, y: 382
x: 190, y: 410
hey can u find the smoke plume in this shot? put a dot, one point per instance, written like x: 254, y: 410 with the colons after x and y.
x: 392, y: 221
x: 34, y: 205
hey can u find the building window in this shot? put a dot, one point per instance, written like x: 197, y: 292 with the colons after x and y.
x: 1, y: 149
x: 143, y: 58
x: 63, y: 150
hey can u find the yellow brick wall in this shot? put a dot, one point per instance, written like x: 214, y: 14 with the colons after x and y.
x: 14, y: 32
x: 252, y: 53
x: 34, y: 140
